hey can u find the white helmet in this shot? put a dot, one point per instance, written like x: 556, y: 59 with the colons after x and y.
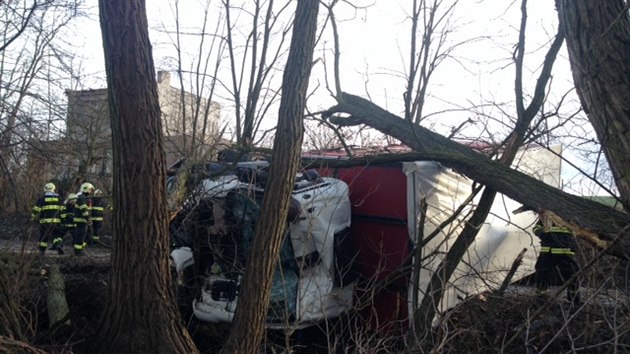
x: 87, y: 188
x: 98, y: 193
x: 72, y: 196
x: 49, y: 187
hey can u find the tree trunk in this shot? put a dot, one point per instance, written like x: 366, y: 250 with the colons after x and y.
x: 140, y: 314
x: 598, y: 40
x: 606, y: 222
x: 56, y: 302
x: 249, y: 320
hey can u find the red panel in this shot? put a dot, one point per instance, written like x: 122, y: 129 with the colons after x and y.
x: 379, y: 232
x: 381, y: 248
x: 377, y: 190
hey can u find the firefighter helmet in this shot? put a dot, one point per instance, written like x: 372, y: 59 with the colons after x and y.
x: 87, y: 188
x: 98, y: 193
x: 72, y: 196
x: 49, y: 187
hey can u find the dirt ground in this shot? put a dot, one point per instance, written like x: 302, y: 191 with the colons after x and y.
x: 519, y: 321
x: 86, y: 281
x: 85, y: 285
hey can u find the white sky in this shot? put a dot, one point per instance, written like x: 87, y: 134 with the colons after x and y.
x: 377, y: 40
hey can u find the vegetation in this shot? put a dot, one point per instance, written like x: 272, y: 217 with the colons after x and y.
x: 237, y: 63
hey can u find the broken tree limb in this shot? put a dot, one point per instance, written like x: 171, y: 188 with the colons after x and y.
x: 58, y: 311
x: 579, y: 231
x: 508, y: 278
x: 605, y: 222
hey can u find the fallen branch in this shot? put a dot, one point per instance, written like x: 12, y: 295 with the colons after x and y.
x: 12, y: 346
x: 58, y: 311
x: 593, y: 217
x: 508, y: 278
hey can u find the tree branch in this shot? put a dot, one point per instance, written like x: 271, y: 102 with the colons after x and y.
x: 604, y: 221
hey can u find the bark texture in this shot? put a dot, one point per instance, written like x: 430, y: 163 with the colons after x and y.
x: 249, y: 321
x: 140, y: 315
x: 609, y: 224
x: 58, y: 310
x: 598, y: 40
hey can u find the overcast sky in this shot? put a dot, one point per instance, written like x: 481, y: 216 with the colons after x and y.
x: 376, y: 41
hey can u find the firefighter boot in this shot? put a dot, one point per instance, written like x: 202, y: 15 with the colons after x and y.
x: 78, y: 250
x: 59, y: 249
x: 58, y: 246
x: 95, y: 241
x: 42, y: 246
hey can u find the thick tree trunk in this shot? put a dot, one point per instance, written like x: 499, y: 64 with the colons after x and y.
x: 140, y: 315
x: 249, y: 320
x: 598, y: 39
x: 607, y: 223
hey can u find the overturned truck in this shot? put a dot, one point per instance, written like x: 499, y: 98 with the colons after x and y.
x: 348, y: 229
x: 212, y: 237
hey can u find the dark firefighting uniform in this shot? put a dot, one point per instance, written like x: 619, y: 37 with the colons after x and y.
x: 67, y: 218
x: 47, y: 212
x: 556, y: 262
x: 98, y: 212
x: 82, y: 210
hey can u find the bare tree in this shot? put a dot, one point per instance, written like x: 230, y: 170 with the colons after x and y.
x: 30, y: 111
x: 423, y: 317
x: 198, y: 57
x: 413, y: 114
x: 140, y: 314
x: 19, y: 17
x: 429, y: 21
x: 259, y: 58
x: 249, y: 320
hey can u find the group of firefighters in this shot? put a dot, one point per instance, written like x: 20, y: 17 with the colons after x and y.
x: 80, y: 215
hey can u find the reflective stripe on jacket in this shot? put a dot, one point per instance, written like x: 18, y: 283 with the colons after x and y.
x: 98, y: 209
x: 67, y: 215
x: 47, y: 209
x: 555, y: 250
x: 82, y: 210
x: 555, y: 240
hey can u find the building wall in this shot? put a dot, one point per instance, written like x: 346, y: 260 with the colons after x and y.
x: 86, y: 150
x: 184, y: 113
x: 88, y: 115
x: 88, y: 124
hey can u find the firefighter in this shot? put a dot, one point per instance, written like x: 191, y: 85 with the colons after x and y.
x: 556, y: 262
x: 82, y: 209
x: 46, y: 212
x: 67, y: 218
x: 98, y: 212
